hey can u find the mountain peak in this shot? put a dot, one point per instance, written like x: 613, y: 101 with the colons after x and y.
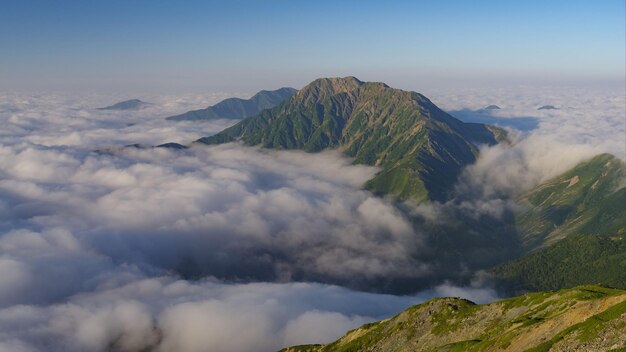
x: 325, y: 87
x: 420, y: 148
x: 338, y: 84
x: 132, y: 104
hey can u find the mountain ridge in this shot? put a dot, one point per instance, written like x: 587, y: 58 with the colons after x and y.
x: 572, y: 230
x: 588, y: 198
x: 237, y: 108
x: 579, y: 319
x: 420, y: 147
x: 132, y: 104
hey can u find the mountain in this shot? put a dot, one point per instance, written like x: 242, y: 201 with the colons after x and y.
x: 573, y: 230
x: 236, y: 108
x: 575, y: 260
x: 420, y: 148
x: 171, y: 146
x: 547, y: 107
x: 586, y: 318
x: 588, y: 199
x: 492, y: 107
x: 133, y: 104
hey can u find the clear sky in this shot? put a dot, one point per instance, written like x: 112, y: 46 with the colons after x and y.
x: 243, y: 45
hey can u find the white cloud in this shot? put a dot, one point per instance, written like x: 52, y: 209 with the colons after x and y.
x: 90, y: 242
x: 176, y: 315
x: 589, y: 121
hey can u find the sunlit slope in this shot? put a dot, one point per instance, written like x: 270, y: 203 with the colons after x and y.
x: 420, y: 148
x: 588, y: 199
x: 586, y: 318
x: 573, y: 229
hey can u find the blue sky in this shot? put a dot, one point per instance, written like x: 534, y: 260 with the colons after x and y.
x: 242, y: 45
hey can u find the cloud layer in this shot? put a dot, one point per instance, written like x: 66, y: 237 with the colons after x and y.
x: 589, y: 120
x: 211, y: 247
x: 95, y: 237
x: 229, y: 211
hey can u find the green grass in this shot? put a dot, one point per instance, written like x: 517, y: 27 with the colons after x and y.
x: 592, y: 203
x: 586, y: 330
x: 500, y: 323
x: 449, y: 318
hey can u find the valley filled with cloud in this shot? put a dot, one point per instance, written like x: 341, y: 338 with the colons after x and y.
x: 104, y: 245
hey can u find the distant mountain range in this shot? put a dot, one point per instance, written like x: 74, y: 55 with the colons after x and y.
x: 133, y: 104
x: 586, y: 318
x: 420, y: 148
x: 236, y: 108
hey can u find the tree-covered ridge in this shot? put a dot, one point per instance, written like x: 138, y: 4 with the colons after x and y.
x: 575, y: 260
x: 236, y: 108
x: 584, y: 318
x: 588, y: 199
x: 420, y: 148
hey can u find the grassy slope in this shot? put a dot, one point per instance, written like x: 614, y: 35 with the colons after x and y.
x: 583, y: 318
x: 575, y: 230
x: 420, y: 148
x: 587, y: 199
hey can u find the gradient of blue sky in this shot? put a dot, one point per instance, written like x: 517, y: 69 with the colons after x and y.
x: 240, y: 45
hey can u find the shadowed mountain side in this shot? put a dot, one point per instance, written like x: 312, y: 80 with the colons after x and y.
x: 484, y: 116
x: 236, y: 108
x: 579, y: 259
x: 133, y: 104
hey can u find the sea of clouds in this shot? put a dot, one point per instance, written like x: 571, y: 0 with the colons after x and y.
x: 589, y: 120
x: 232, y: 248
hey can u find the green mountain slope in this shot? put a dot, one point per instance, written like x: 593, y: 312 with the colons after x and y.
x: 575, y: 260
x: 573, y: 230
x: 589, y: 199
x: 420, y: 148
x: 236, y: 108
x: 586, y: 318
